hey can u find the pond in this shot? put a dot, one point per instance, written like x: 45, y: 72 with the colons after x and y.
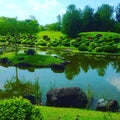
x: 100, y: 74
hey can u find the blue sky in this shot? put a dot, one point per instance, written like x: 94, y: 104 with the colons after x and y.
x: 45, y: 11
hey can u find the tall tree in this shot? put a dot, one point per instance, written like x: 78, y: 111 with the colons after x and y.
x: 88, y: 18
x: 103, y: 18
x: 71, y: 21
x: 118, y: 12
x: 59, y: 20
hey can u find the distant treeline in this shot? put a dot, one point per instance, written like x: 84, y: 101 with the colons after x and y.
x: 105, y: 18
x: 13, y: 26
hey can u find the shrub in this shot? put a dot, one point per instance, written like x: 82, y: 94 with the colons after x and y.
x: 82, y: 47
x: 74, y: 43
x: 66, y: 42
x: 42, y: 43
x: 98, y: 49
x: 54, y: 43
x: 18, y: 109
x: 45, y: 37
x: 92, y: 44
x: 110, y: 49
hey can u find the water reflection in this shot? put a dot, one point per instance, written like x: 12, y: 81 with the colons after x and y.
x: 84, y: 63
x: 115, y: 81
x: 98, y: 71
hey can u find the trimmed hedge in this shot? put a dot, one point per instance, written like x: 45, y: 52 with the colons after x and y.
x: 19, y: 109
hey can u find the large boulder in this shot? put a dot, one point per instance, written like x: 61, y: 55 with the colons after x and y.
x: 67, y: 97
x: 107, y: 105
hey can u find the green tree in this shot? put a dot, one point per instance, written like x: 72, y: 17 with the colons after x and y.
x: 71, y: 21
x: 88, y: 18
x: 117, y: 10
x: 103, y: 18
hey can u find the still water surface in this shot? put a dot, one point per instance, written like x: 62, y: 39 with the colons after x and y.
x: 100, y: 73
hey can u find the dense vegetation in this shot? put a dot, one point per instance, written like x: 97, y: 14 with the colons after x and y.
x: 78, y: 32
x: 19, y: 109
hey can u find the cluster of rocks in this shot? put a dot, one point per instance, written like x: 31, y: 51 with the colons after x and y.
x: 107, y: 105
x: 74, y: 97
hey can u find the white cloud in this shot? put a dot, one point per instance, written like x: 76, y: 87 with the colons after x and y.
x: 115, y: 82
x: 17, y: 10
x: 1, y: 1
x: 12, y: 6
x: 62, y: 11
x: 22, y: 14
x: 46, y: 5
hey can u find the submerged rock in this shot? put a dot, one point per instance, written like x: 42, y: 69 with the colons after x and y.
x: 59, y: 66
x: 107, y: 105
x: 67, y: 97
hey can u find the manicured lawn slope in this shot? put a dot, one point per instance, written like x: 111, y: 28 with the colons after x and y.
x: 50, y: 34
x: 52, y: 113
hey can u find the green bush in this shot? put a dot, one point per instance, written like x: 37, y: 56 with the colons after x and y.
x: 74, y: 43
x: 66, y: 42
x: 54, y: 43
x: 82, y: 47
x: 92, y: 44
x: 110, y: 49
x: 18, y: 109
x: 98, y: 49
x: 45, y: 37
x: 42, y: 43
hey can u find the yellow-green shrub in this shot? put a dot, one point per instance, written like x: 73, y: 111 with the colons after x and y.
x: 18, y: 109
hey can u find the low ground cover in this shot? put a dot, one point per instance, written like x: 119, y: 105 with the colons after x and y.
x: 34, y: 60
x: 20, y: 109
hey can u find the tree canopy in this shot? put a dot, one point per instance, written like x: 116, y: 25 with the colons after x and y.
x: 71, y: 21
x: 13, y: 26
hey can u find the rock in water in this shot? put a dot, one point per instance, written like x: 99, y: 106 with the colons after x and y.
x: 67, y: 97
x: 107, y: 105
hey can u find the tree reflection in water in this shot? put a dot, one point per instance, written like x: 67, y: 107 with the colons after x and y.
x: 84, y: 63
x: 16, y: 87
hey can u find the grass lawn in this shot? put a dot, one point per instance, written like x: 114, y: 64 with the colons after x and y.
x: 52, y: 113
x: 34, y: 60
x: 50, y: 34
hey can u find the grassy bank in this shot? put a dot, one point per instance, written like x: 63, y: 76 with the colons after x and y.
x: 19, y: 109
x: 34, y: 60
x: 52, y: 113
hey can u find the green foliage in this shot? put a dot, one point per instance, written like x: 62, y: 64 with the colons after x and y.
x: 13, y: 26
x: 18, y: 109
x: 45, y: 37
x: 66, y: 42
x: 41, y: 43
x: 82, y: 47
x: 98, y: 49
x: 118, y: 12
x: 16, y: 87
x: 37, y: 91
x: 110, y: 49
x: 71, y: 21
x: 34, y: 60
